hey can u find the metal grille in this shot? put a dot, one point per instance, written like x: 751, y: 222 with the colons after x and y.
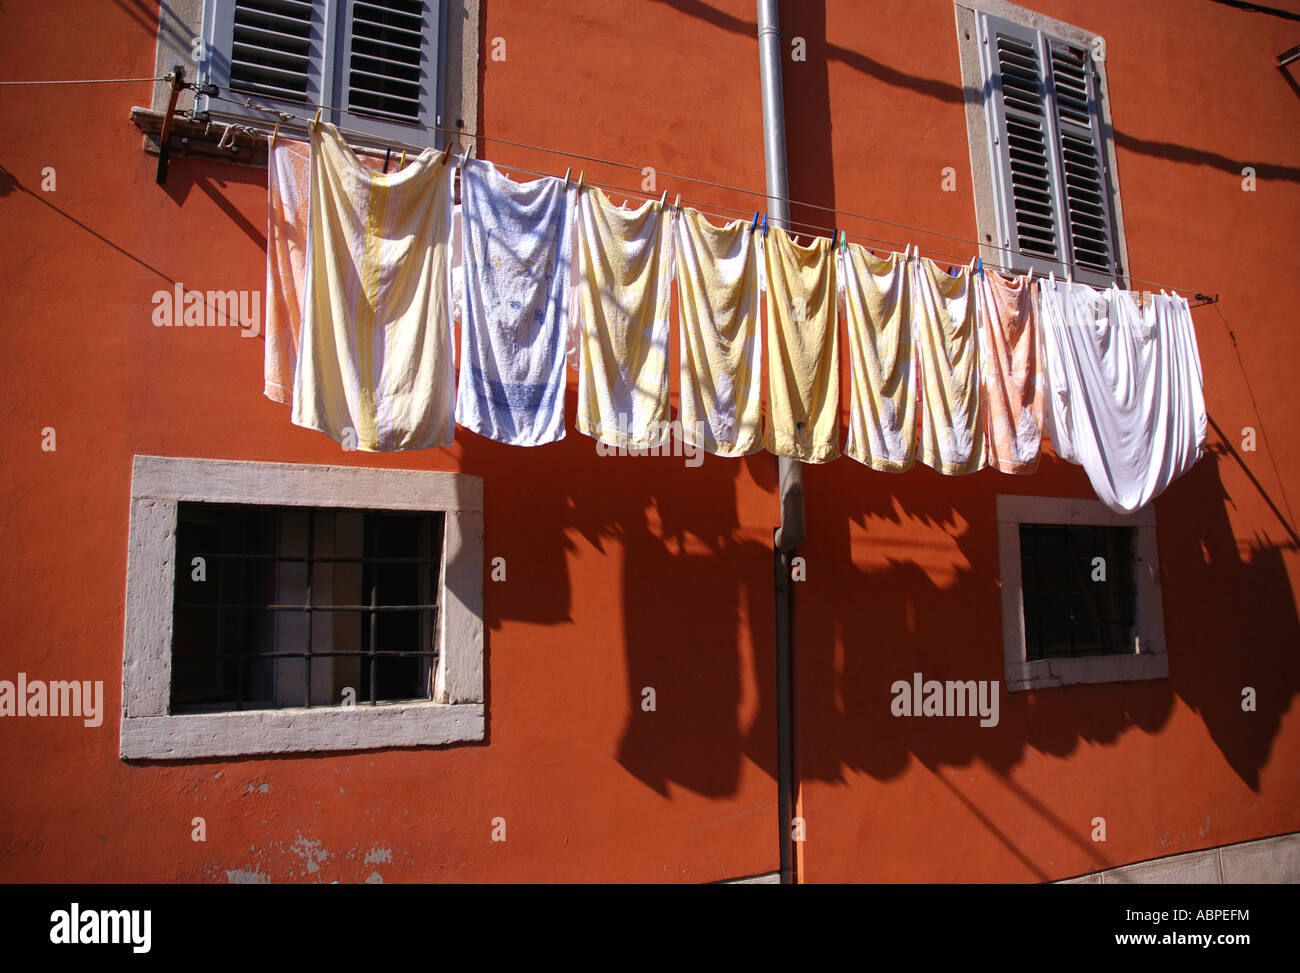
x: 384, y: 76
x: 268, y: 619
x: 1067, y: 613
x: 274, y: 48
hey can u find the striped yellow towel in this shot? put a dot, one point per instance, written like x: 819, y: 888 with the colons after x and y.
x: 882, y: 359
x: 952, y: 428
x: 717, y: 302
x: 624, y: 263
x: 803, y: 367
x: 375, y: 364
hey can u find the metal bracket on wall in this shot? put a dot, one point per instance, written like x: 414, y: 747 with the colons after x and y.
x: 197, y: 137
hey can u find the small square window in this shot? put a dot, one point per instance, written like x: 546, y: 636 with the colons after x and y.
x: 1080, y: 593
x: 279, y: 608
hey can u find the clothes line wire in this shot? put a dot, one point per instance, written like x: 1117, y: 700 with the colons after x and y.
x: 1201, y: 297
x: 86, y: 81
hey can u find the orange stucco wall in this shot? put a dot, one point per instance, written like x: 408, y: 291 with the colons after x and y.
x: 633, y: 572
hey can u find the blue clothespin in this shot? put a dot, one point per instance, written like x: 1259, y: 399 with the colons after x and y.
x: 765, y: 224
x: 754, y: 226
x: 979, y: 266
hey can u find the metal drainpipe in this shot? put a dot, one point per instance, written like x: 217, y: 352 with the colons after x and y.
x: 789, y: 471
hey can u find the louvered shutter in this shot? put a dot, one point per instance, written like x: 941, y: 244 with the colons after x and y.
x: 270, y: 51
x: 1051, y: 192
x: 378, y: 61
x: 1086, y: 199
x: 388, y: 68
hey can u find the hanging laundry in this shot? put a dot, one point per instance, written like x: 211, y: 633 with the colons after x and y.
x: 721, y: 348
x: 515, y: 281
x: 952, y: 426
x: 375, y: 357
x: 882, y: 359
x: 619, y: 315
x: 1011, y: 372
x: 803, y: 367
x: 288, y: 188
x: 1125, y: 397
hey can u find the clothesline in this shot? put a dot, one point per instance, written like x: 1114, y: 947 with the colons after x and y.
x: 952, y: 370
x: 7, y: 84
x: 1199, y: 296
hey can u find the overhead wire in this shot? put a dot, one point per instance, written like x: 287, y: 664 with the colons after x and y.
x: 820, y: 229
x: 85, y: 81
x: 701, y: 206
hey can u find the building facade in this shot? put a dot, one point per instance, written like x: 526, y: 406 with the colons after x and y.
x: 605, y: 678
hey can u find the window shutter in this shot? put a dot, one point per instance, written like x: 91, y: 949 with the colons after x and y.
x: 1051, y: 192
x: 378, y: 60
x: 388, y: 68
x: 1086, y: 188
x: 269, y: 51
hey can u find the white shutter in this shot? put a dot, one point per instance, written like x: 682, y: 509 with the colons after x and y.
x: 1086, y: 189
x: 388, y: 68
x: 379, y: 62
x: 272, y: 52
x: 1051, y: 189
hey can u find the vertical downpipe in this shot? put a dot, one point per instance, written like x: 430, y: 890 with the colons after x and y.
x: 789, y: 471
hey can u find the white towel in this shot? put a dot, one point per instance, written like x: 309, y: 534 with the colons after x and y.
x: 1125, y: 396
x: 515, y: 281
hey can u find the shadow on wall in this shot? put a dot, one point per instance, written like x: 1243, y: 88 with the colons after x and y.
x: 902, y: 577
x: 808, y: 20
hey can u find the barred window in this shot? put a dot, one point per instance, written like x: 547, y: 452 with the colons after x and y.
x: 1080, y: 597
x: 279, y: 607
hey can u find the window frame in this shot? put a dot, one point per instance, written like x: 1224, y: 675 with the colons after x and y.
x: 456, y: 712
x: 987, y: 190
x: 182, y: 23
x: 330, y: 86
x: 1150, y: 662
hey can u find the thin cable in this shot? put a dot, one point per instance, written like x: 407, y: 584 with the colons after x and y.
x: 87, y: 81
x: 820, y: 230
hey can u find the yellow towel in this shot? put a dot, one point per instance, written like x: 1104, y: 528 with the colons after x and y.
x: 803, y: 366
x: 624, y: 262
x: 717, y: 310
x: 882, y: 359
x: 375, y: 360
x: 952, y: 427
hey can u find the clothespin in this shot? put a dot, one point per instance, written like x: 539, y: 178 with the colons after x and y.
x: 274, y: 133
x: 401, y: 163
x: 663, y: 199
x: 316, y: 121
x: 581, y: 176
x: 754, y: 226
x: 677, y: 203
x: 764, y: 225
x: 844, y: 241
x: 979, y: 266
x: 388, y: 154
x: 566, y: 176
